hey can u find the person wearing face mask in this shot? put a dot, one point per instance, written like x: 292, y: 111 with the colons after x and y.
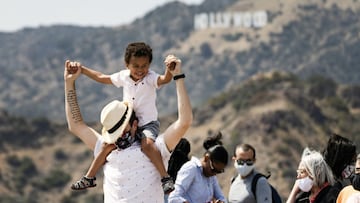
x: 351, y: 193
x: 240, y: 190
x: 196, y: 180
x: 340, y: 155
x: 315, y: 179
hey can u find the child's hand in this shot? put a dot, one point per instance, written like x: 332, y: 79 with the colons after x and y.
x: 73, y: 67
x: 72, y: 70
x: 173, y: 64
x: 134, y: 128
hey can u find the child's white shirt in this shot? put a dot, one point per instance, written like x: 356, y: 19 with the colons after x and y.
x: 142, y: 94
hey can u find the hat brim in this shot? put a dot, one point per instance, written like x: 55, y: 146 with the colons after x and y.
x: 111, y: 138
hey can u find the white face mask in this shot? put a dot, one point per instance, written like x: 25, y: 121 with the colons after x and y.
x: 244, y: 169
x: 305, y: 184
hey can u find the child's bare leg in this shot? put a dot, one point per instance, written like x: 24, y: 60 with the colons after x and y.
x: 89, y: 179
x: 149, y: 148
x: 99, y: 160
x: 151, y: 151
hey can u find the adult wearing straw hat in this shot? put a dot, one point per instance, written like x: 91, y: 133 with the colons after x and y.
x: 129, y: 175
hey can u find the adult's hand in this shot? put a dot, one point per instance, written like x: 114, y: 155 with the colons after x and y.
x: 169, y: 61
x: 72, y: 70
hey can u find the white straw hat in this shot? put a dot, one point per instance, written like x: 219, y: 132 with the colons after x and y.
x: 114, y: 118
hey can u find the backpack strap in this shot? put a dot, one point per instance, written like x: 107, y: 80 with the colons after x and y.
x: 233, y: 178
x: 254, y: 183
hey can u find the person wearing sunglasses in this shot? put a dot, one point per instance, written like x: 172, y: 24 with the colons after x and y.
x: 196, y: 180
x: 240, y: 190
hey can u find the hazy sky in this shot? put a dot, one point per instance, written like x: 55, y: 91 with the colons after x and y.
x: 17, y: 14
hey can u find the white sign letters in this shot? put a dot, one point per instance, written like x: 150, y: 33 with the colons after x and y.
x: 230, y: 19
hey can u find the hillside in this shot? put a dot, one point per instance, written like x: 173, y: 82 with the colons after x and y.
x: 277, y: 112
x: 304, y: 37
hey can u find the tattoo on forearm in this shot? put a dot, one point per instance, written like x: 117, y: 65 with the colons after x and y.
x: 73, y: 104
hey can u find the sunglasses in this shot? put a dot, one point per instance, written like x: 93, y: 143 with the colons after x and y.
x: 213, y: 169
x: 248, y: 162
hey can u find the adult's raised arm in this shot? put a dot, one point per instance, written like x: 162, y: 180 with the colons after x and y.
x: 177, y: 130
x: 74, y: 118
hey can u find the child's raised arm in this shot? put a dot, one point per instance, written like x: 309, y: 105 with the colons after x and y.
x: 96, y: 75
x: 167, y: 77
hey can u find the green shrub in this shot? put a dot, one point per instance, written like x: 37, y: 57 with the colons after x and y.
x: 338, y: 104
x: 206, y: 50
x: 60, y: 155
x: 321, y: 87
x: 68, y: 199
x: 232, y: 37
x: 23, y: 170
x: 11, y: 199
x: 94, y: 198
x: 352, y: 95
x: 294, y: 144
x: 55, y: 179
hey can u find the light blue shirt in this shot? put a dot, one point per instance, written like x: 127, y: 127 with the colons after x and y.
x: 191, y: 185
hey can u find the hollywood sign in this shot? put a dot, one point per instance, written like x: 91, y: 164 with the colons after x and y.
x: 230, y: 19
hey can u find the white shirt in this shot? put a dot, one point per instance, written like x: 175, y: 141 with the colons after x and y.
x: 130, y: 176
x: 142, y: 94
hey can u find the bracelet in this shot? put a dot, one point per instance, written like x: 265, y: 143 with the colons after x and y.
x: 179, y: 76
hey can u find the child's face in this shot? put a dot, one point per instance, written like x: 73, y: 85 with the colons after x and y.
x: 139, y: 67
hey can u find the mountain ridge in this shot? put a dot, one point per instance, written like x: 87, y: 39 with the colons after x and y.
x: 304, y: 38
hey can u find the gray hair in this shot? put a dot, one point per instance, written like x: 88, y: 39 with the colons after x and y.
x: 317, y: 168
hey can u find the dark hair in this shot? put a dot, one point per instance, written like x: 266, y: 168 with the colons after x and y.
x: 339, y: 153
x: 137, y: 49
x: 178, y: 157
x: 246, y: 147
x: 215, y: 149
